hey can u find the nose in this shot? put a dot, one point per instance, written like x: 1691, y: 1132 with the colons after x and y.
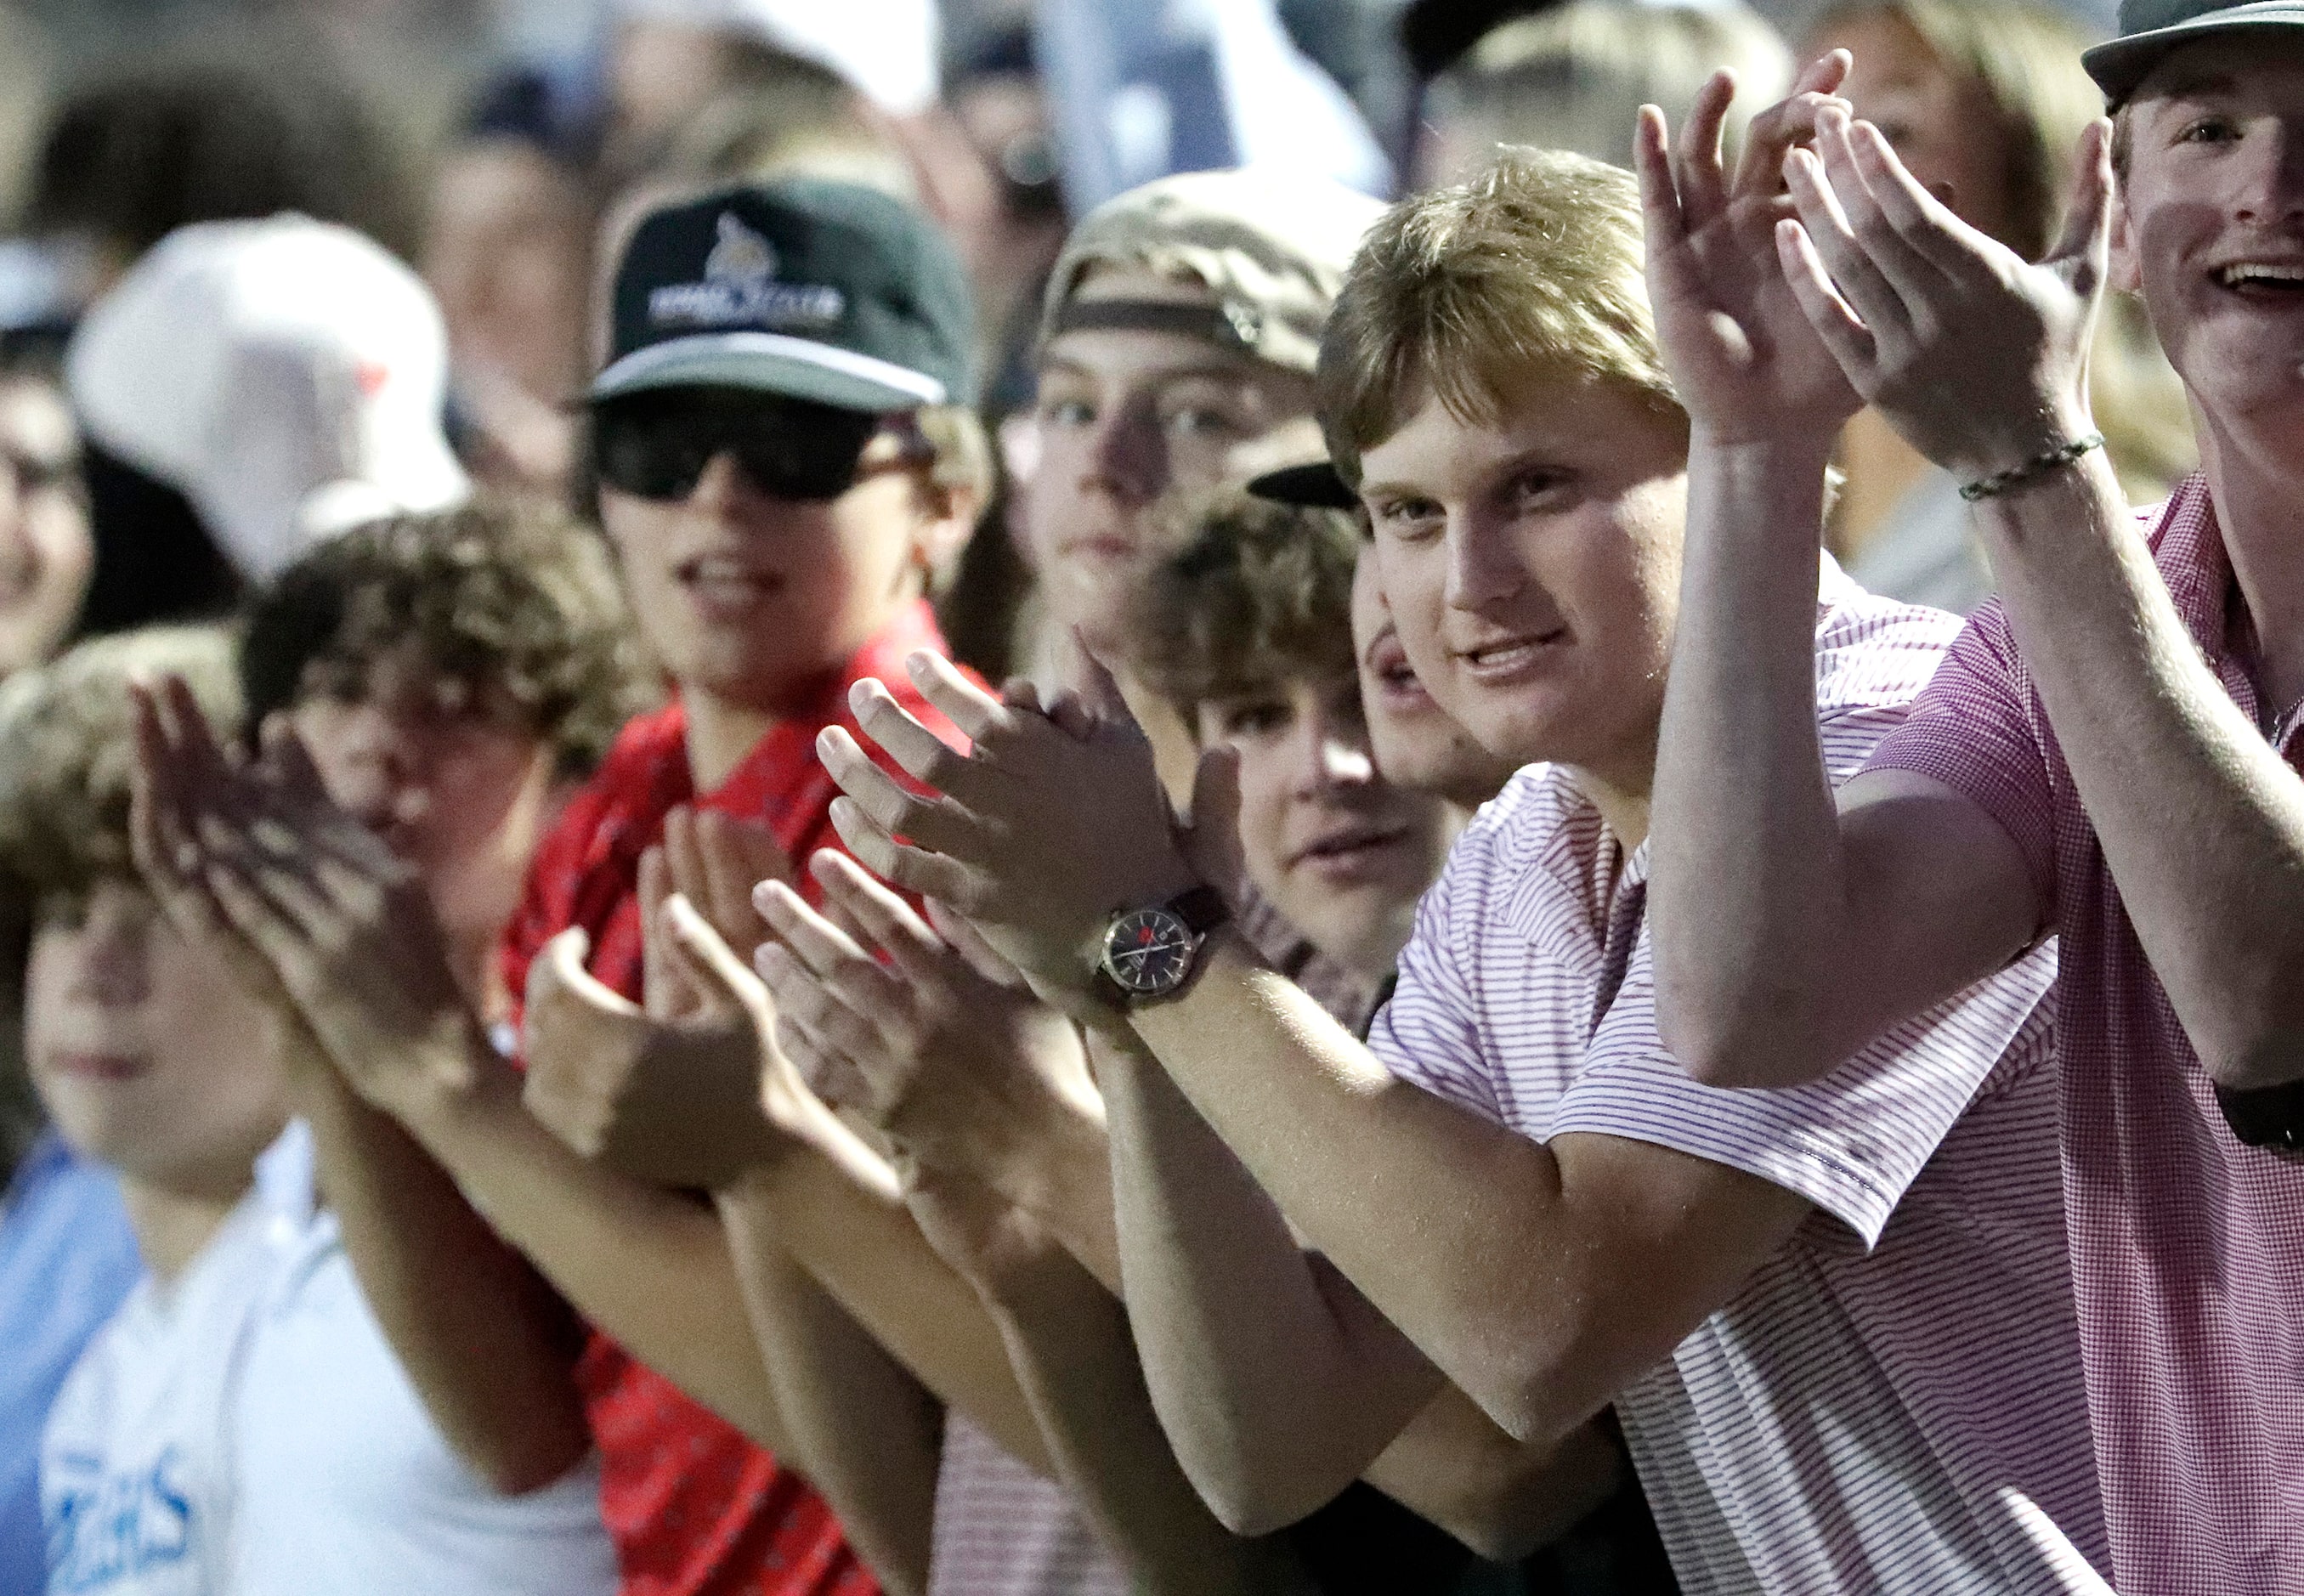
x: 724, y: 491
x: 379, y: 773
x: 116, y: 965
x: 1127, y: 455
x: 1481, y: 569
x: 2271, y: 191
x: 1334, y: 754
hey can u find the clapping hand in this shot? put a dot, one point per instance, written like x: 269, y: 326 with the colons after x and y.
x: 668, y: 1093
x: 1049, y: 824
x: 1976, y: 358
x: 1744, y: 359
x: 308, y: 907
x: 941, y: 1046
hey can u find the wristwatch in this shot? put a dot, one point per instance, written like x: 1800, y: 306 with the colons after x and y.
x: 2270, y: 1118
x: 1149, y: 953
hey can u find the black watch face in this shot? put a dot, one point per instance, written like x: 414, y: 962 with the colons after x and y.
x: 1148, y: 952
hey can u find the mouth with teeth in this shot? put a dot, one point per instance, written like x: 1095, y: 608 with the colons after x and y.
x: 1506, y: 657
x: 2259, y: 279
x: 721, y: 581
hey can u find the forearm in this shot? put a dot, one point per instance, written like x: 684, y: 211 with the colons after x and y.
x: 489, y: 1346
x: 650, y: 1267
x: 1277, y: 1386
x: 1068, y: 1339
x: 1502, y: 1498
x: 1063, y: 1178
x: 865, y: 1250
x: 2201, y: 821
x: 1403, y: 1193
x: 1746, y: 889
x: 866, y: 1432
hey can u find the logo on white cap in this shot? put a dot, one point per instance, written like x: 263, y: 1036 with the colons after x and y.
x: 739, y: 289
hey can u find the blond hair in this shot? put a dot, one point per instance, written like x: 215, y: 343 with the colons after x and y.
x: 67, y: 749
x: 1575, y: 77
x: 2025, y: 60
x: 1530, y: 272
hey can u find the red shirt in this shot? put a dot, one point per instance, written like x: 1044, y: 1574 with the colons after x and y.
x: 2187, y: 1248
x: 695, y: 1510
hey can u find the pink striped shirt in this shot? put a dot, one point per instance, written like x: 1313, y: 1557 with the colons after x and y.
x: 2188, y: 1249
x: 1001, y: 1530
x: 1893, y: 1403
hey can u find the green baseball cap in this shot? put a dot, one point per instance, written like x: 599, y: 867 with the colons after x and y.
x: 826, y: 292
x: 2150, y: 28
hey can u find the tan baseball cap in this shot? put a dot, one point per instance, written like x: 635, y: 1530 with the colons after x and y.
x: 1272, y: 246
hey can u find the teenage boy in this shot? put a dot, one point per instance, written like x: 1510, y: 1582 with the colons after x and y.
x: 241, y: 1423
x: 1513, y: 1187
x: 785, y: 462
x: 2105, y: 756
x: 1246, y: 630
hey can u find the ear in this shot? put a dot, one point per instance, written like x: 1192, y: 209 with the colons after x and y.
x: 2124, y: 267
x: 949, y: 514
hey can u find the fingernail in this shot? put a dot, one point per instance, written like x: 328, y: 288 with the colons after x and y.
x: 861, y: 695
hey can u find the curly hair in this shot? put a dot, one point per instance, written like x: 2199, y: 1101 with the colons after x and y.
x: 67, y: 751
x: 1260, y: 594
x: 503, y: 593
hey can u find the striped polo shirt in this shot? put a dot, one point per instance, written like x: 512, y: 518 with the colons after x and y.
x: 1893, y: 1403
x: 1001, y: 1530
x: 2187, y: 1248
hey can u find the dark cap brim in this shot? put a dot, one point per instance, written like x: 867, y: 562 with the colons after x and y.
x: 2121, y: 65
x: 1317, y: 486
x: 772, y: 363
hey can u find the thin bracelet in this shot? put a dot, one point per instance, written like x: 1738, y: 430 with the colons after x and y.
x: 2039, y: 465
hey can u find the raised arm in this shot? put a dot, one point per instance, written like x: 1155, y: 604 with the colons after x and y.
x: 1787, y: 932
x: 351, y: 940
x: 489, y: 1347
x: 1980, y: 361
x: 1620, y: 1248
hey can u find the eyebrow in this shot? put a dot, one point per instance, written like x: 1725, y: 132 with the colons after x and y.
x: 1210, y: 370
x: 2193, y: 84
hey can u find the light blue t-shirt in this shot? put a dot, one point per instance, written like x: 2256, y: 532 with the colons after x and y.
x: 67, y: 1259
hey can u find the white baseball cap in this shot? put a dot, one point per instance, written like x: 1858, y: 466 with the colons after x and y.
x: 887, y: 49
x: 287, y: 376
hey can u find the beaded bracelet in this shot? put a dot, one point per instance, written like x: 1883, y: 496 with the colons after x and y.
x: 2039, y: 465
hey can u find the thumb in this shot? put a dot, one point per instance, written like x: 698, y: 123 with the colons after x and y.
x: 1088, y: 675
x: 1213, y: 843
x: 711, y: 962
x: 560, y: 969
x: 2083, y: 251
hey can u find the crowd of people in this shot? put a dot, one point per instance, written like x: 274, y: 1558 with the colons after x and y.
x: 846, y: 831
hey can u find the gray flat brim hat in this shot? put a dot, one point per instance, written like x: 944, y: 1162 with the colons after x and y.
x: 2151, y: 29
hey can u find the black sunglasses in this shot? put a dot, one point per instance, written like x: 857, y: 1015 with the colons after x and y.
x: 657, y: 446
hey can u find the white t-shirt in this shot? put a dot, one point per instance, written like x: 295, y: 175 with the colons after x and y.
x: 307, y: 1461
x: 134, y: 1489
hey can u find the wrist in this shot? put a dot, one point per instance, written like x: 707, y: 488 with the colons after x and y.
x: 1792, y: 454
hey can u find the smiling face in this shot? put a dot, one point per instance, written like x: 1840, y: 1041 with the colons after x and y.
x: 1125, y: 419
x: 1532, y: 565
x: 1416, y: 745
x: 2211, y: 224
x: 755, y: 600
x: 1339, y: 851
x: 143, y: 1047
